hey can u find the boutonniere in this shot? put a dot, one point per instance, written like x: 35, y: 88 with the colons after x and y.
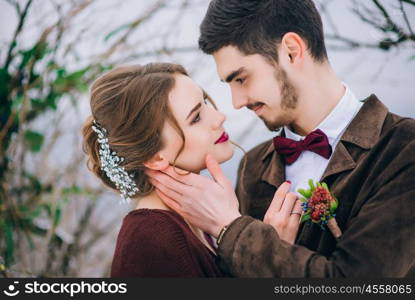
x: 319, y: 206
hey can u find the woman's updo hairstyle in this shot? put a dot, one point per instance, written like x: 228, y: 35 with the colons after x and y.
x: 131, y: 103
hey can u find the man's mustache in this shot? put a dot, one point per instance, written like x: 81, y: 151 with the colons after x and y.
x: 252, y: 106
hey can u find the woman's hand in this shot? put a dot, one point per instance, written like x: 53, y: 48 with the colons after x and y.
x: 284, y: 213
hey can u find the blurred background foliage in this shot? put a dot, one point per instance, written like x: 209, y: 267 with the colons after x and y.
x: 46, y: 206
x: 35, y: 80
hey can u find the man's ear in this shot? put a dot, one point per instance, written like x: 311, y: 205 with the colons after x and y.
x: 157, y: 162
x: 293, y: 47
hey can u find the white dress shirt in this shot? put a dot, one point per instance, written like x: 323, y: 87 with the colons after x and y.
x: 311, y: 165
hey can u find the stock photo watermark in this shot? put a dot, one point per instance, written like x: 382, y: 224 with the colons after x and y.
x: 70, y: 289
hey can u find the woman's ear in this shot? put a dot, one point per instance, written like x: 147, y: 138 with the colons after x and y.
x: 157, y: 162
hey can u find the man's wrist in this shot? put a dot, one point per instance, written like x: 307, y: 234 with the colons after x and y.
x: 221, y: 233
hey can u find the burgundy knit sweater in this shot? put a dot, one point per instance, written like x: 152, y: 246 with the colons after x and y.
x: 159, y: 243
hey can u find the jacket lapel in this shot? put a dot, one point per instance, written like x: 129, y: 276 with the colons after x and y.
x: 274, y: 174
x: 363, y: 132
x: 340, y: 161
x: 272, y: 177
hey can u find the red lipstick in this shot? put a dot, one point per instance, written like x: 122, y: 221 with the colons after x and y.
x: 223, y: 138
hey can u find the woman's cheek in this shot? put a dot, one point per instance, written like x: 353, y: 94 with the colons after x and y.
x: 195, y: 150
x: 192, y: 158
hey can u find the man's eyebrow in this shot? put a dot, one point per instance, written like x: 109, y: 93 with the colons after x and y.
x: 231, y: 76
x: 194, y: 109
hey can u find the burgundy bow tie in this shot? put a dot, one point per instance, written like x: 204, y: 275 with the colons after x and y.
x: 316, y: 142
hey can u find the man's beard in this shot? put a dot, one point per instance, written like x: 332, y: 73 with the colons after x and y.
x: 289, y: 101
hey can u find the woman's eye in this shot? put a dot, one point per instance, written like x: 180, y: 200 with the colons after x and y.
x: 240, y: 80
x: 196, y: 119
x: 206, y: 101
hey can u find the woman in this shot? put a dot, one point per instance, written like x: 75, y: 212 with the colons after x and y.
x: 154, y: 116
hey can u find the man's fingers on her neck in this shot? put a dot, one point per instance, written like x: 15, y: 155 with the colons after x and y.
x: 181, y: 176
x: 160, y: 186
x: 172, y: 180
x: 169, y: 201
x: 216, y: 171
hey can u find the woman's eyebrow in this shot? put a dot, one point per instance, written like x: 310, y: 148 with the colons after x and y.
x: 194, y: 109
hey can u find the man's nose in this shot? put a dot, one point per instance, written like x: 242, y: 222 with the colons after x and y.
x: 239, y: 98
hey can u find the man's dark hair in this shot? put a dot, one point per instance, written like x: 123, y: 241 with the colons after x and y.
x: 257, y: 26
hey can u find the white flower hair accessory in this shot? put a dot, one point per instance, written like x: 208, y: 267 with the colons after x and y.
x: 110, y: 164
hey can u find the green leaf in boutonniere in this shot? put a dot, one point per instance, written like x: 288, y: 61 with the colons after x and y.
x: 319, y: 206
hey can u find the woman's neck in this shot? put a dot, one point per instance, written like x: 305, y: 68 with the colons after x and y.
x: 152, y: 201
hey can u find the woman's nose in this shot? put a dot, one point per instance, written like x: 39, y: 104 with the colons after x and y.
x: 219, y: 119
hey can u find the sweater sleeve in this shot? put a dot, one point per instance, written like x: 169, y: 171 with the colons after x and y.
x: 153, y: 246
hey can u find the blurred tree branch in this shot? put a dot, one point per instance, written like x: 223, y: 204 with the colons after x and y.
x: 394, y: 29
x: 131, y: 27
x: 37, y: 80
x: 22, y: 17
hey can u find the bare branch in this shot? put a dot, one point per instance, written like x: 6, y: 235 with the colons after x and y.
x: 156, y: 52
x: 132, y: 27
x: 98, y: 234
x: 324, y: 10
x: 22, y: 17
x: 385, y: 25
x: 391, y: 24
x: 15, y: 5
x: 408, y: 24
x: 72, y: 248
x: 173, y: 22
x: 349, y: 42
x: 373, y: 23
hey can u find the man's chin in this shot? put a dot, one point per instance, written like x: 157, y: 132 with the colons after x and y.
x: 272, y: 126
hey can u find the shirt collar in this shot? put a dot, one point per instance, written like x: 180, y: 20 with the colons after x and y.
x: 338, y: 119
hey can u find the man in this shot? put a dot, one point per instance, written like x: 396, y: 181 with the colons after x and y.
x: 273, y: 56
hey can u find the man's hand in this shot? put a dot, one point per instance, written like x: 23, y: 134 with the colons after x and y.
x: 284, y: 213
x: 205, y: 203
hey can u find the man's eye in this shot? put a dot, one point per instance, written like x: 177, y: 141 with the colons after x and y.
x: 196, y: 119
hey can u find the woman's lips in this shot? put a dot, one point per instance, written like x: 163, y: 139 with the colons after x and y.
x: 223, y: 138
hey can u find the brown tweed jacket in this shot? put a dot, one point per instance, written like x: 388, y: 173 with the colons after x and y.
x: 371, y: 172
